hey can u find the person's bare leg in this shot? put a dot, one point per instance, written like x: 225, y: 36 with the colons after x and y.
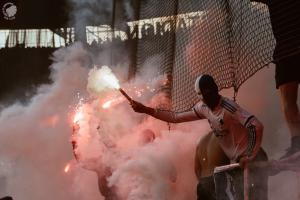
x: 289, y: 94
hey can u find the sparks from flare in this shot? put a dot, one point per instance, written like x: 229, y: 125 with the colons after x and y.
x: 101, y: 79
x: 67, y: 168
x: 78, y: 116
x: 135, y: 91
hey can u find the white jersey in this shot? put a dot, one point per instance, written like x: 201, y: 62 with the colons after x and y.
x: 235, y: 128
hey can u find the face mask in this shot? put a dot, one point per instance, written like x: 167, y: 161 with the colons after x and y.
x: 208, y: 89
x: 211, y: 99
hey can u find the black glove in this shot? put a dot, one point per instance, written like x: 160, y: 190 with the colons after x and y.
x: 138, y: 107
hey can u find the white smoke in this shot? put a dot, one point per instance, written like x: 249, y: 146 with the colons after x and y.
x: 35, y: 146
x: 35, y: 137
x: 111, y: 136
x: 35, y: 140
x: 128, y: 10
x: 148, y: 174
x: 90, y: 12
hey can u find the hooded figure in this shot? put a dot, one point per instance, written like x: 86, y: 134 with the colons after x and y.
x: 207, y: 89
x: 238, y: 132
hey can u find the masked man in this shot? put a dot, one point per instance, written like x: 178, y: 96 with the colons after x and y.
x: 239, y: 133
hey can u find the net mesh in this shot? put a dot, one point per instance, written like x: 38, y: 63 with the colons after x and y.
x: 228, y: 39
x: 157, y: 36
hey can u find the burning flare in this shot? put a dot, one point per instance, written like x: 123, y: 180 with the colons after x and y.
x: 101, y: 80
x: 125, y: 94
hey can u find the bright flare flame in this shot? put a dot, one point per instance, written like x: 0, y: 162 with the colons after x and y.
x: 78, y: 116
x: 102, y: 79
x: 67, y: 168
x: 111, y: 80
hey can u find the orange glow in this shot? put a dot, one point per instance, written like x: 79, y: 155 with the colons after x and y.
x: 67, y: 168
x: 51, y: 121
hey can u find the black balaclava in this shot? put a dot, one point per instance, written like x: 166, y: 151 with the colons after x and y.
x: 209, y: 91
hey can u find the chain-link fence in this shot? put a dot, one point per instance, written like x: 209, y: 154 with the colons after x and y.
x: 229, y: 39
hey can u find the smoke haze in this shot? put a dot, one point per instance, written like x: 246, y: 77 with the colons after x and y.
x: 35, y: 138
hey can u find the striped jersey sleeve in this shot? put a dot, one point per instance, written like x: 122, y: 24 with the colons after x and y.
x: 245, y: 119
x: 201, y: 110
x: 243, y: 116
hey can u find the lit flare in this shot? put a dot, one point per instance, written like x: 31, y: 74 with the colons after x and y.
x: 125, y: 95
x: 101, y: 80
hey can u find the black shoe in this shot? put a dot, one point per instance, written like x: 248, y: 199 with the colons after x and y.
x: 295, y: 147
x: 289, y: 151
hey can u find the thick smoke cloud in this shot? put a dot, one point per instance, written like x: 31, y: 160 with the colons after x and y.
x: 89, y: 12
x: 35, y: 140
x: 35, y: 137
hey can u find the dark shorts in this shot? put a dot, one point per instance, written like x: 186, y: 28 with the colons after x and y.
x: 287, y: 70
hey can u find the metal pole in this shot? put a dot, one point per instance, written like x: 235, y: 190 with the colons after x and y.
x: 133, y: 45
x: 246, y: 182
x: 113, y: 30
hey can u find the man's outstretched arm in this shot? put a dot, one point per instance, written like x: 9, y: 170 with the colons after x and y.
x: 167, y: 116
